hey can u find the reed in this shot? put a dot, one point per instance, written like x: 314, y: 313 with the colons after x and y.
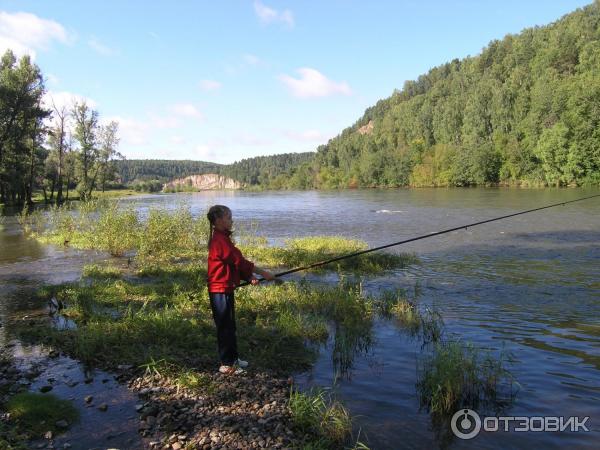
x: 459, y: 375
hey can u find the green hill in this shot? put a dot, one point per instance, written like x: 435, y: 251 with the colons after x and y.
x: 524, y: 111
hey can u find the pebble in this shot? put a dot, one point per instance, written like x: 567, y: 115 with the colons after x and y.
x: 62, y: 424
x: 88, y: 398
x: 103, y: 407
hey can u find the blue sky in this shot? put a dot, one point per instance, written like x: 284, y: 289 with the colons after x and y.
x: 222, y: 81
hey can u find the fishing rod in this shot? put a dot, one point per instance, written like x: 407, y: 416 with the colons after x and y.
x: 436, y: 233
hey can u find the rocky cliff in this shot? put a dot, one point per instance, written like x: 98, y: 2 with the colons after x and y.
x: 203, y: 183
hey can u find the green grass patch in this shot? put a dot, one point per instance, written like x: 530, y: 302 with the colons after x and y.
x: 459, y: 375
x: 168, y: 318
x: 301, y: 252
x: 324, y: 420
x: 36, y: 414
x: 101, y: 272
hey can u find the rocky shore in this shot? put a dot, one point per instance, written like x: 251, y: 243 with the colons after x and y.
x: 244, y: 411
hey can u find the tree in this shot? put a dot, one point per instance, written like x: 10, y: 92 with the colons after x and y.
x: 86, y: 134
x: 57, y: 141
x: 108, y: 141
x: 21, y: 130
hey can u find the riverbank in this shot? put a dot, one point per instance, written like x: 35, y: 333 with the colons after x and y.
x: 500, y: 286
x: 147, y: 321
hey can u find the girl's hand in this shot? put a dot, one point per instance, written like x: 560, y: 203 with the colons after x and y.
x: 254, y: 281
x: 268, y: 275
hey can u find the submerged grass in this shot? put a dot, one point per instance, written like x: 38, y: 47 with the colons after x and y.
x: 457, y: 375
x: 38, y: 413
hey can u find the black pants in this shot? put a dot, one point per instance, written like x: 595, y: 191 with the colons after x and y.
x: 223, y: 309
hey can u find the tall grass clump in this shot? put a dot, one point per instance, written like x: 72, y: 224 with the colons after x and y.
x: 457, y: 375
x: 168, y: 236
x: 326, y: 421
x: 96, y: 224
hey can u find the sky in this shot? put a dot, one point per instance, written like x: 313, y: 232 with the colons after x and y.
x: 222, y: 81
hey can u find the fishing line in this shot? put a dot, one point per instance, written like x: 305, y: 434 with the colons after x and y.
x: 436, y: 233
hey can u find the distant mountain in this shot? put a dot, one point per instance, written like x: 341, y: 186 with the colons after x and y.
x: 277, y: 171
x: 163, y: 170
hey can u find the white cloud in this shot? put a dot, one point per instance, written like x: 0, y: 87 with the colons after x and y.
x: 163, y: 121
x: 66, y: 99
x: 100, y: 48
x: 269, y: 15
x: 307, y: 136
x: 52, y: 79
x: 210, y: 85
x: 313, y: 83
x: 186, y: 110
x: 131, y: 131
x: 25, y: 33
x: 204, y: 152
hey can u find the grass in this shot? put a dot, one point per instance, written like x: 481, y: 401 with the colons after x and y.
x: 168, y: 318
x: 101, y: 271
x: 164, y: 237
x: 456, y: 375
x: 315, y: 414
x: 36, y: 414
x: 310, y: 250
x: 410, y: 316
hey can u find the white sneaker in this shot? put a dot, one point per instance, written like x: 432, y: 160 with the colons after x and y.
x: 231, y: 370
x: 241, y: 363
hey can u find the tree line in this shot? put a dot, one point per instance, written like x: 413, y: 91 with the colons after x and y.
x: 151, y: 174
x: 49, y: 147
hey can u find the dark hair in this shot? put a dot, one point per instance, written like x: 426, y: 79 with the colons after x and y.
x: 215, y: 212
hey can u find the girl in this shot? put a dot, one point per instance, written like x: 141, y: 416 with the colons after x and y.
x: 226, y: 266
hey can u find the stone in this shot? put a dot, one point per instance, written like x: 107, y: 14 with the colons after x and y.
x: 103, y: 407
x: 48, y: 435
x: 45, y: 389
x: 62, y: 424
x: 88, y: 398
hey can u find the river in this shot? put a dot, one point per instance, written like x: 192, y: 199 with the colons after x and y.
x: 529, y: 285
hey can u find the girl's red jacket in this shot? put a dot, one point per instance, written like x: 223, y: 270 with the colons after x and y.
x: 226, y: 265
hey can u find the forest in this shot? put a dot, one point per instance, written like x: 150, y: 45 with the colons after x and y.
x: 49, y: 148
x: 526, y: 111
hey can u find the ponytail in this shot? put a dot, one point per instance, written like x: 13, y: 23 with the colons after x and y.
x: 215, y: 212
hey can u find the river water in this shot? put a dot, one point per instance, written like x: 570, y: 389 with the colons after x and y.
x: 528, y: 285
